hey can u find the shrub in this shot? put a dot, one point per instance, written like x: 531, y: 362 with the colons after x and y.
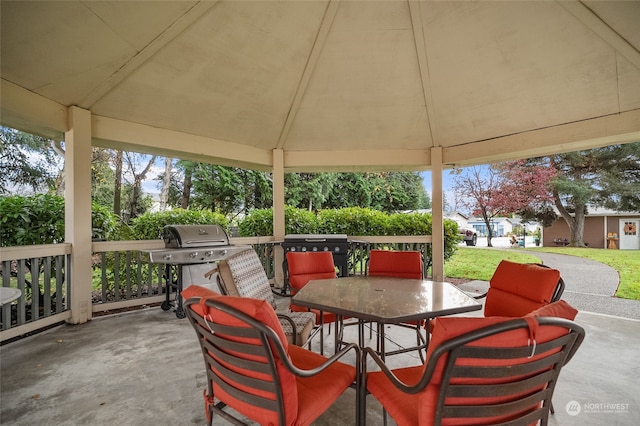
x: 39, y: 219
x: 149, y: 226
x: 353, y: 221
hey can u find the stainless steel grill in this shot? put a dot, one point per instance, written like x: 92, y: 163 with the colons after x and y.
x: 187, y: 249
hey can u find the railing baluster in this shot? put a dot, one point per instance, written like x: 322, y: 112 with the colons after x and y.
x: 46, y: 284
x: 127, y: 289
x: 6, y: 282
x: 103, y: 279
x: 116, y: 275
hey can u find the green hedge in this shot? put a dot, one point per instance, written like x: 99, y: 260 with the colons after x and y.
x: 39, y: 219
x: 149, y: 226
x: 351, y: 221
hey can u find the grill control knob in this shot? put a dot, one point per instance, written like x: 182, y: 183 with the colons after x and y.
x: 167, y: 257
x: 208, y: 253
x: 193, y: 254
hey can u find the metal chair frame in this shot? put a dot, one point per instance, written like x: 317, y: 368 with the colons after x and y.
x: 541, y: 373
x: 236, y: 353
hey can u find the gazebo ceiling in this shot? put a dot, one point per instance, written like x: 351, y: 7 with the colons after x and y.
x: 341, y: 85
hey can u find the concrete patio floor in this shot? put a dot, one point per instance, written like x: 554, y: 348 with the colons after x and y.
x: 145, y: 367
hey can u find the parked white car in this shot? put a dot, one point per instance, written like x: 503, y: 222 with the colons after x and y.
x: 469, y: 235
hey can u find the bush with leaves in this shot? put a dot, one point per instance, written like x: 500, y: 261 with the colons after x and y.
x: 149, y: 226
x: 353, y: 221
x: 39, y: 219
x: 260, y: 222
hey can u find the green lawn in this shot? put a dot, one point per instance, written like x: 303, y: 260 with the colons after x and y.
x: 477, y: 264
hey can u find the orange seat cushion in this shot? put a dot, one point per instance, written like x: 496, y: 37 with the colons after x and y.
x: 317, y: 393
x: 401, y: 264
x: 517, y: 289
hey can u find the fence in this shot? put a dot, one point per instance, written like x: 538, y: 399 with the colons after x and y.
x: 123, y: 277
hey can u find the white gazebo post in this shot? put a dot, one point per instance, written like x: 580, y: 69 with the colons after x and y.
x: 278, y: 212
x: 78, y: 211
x: 437, y: 224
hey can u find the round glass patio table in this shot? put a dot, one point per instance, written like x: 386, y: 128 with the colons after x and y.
x: 8, y: 295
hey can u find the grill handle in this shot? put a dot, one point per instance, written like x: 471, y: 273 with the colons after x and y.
x: 202, y: 242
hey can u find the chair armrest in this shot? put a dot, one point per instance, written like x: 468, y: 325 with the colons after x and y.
x: 410, y: 389
x: 480, y: 296
x: 286, y: 318
x: 286, y: 360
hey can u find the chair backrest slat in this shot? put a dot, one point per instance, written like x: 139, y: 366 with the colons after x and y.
x: 461, y: 391
x: 527, y: 404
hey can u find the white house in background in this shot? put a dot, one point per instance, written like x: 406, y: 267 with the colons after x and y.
x: 500, y: 226
x: 461, y: 219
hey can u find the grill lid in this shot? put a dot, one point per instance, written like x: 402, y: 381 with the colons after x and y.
x: 183, y: 236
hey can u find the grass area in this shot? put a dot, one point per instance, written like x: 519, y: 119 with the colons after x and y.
x: 626, y: 262
x: 477, y: 264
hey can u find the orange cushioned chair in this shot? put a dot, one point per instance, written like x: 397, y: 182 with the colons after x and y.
x: 303, y: 267
x: 519, y: 288
x: 481, y: 371
x: 400, y: 264
x: 252, y: 369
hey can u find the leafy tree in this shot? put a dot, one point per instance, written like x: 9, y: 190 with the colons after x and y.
x: 27, y: 160
x: 102, y: 178
x: 526, y: 189
x: 351, y: 189
x: 309, y: 190
x: 608, y: 176
x: 385, y: 191
x: 216, y: 188
x: 136, y: 203
x: 480, y: 192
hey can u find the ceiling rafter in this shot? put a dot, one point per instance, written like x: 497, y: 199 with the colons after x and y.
x: 312, y: 61
x: 423, y: 64
x: 589, y: 18
x: 168, y: 35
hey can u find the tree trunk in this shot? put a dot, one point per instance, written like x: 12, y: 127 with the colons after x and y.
x: 575, y: 223
x: 186, y: 187
x: 117, y: 189
x: 487, y: 221
x: 137, y: 188
x: 166, y: 184
x: 60, y: 181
